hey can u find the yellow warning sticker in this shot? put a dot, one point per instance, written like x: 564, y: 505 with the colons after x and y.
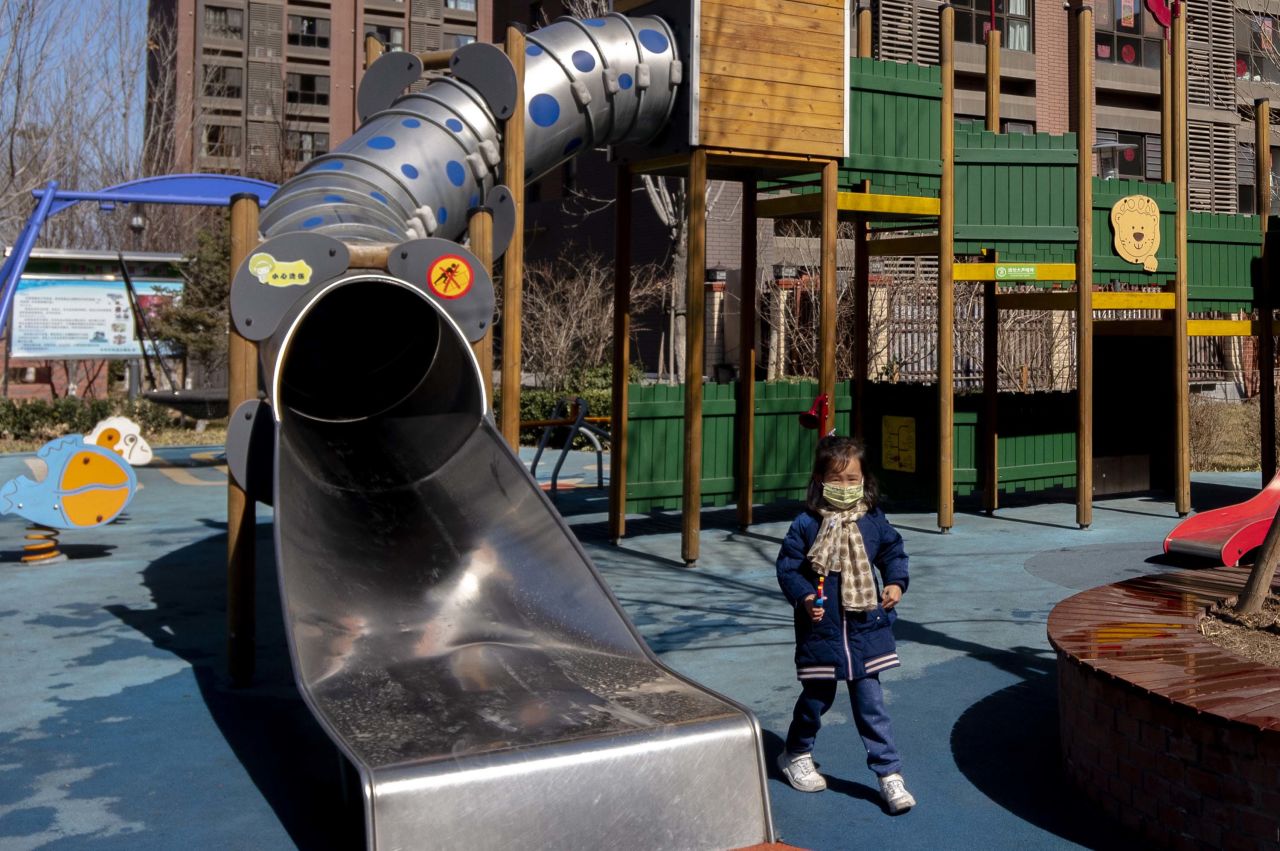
x: 898, y: 444
x: 275, y: 273
x: 450, y: 276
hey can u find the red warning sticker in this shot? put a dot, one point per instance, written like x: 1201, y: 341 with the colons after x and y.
x: 450, y: 276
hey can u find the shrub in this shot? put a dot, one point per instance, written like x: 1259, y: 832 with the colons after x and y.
x: 38, y: 419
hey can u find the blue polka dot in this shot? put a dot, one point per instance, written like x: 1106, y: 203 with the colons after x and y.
x: 573, y: 145
x: 334, y: 199
x: 544, y: 110
x: 378, y: 196
x: 411, y: 122
x: 473, y: 201
x: 454, y: 124
x: 409, y: 171
x: 583, y: 61
x: 331, y: 165
x: 533, y: 50
x: 313, y: 221
x: 594, y: 22
x: 624, y: 80
x: 442, y: 215
x: 382, y: 143
x: 654, y: 41
x: 456, y: 173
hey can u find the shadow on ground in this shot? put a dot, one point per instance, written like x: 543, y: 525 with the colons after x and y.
x: 1006, y: 745
x: 289, y: 758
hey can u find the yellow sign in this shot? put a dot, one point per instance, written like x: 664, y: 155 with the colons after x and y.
x: 1014, y: 272
x: 898, y: 444
x: 1136, y: 222
x: 274, y: 273
x: 450, y: 276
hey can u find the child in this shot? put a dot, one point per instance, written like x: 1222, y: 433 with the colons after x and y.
x: 849, y: 634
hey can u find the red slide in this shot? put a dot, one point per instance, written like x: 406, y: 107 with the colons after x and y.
x: 1227, y: 533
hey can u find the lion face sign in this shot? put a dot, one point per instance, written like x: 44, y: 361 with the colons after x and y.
x: 1136, y: 222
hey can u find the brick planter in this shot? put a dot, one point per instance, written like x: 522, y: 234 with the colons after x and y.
x: 1172, y: 736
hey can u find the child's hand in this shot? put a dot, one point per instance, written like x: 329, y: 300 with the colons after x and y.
x: 892, y: 594
x: 815, y: 612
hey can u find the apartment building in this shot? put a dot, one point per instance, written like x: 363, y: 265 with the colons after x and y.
x: 262, y: 86
x: 1231, y: 55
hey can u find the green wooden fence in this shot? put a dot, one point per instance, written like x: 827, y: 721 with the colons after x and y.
x: 1016, y: 194
x: 1037, y: 454
x: 1222, y: 256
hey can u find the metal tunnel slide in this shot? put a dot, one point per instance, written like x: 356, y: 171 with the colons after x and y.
x: 447, y: 629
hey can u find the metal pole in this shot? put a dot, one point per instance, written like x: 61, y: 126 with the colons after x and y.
x: 1167, y: 142
x: 1084, y: 266
x: 17, y: 261
x: 242, y: 385
x: 745, y: 419
x: 946, y: 279
x: 513, y: 260
x: 621, y: 356
x: 695, y: 295
x: 1266, y: 332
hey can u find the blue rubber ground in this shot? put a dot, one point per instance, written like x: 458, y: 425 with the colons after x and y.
x: 118, y: 728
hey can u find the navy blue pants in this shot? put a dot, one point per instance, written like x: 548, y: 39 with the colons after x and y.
x: 869, y: 714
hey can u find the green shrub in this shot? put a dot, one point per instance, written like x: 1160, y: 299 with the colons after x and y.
x: 39, y: 419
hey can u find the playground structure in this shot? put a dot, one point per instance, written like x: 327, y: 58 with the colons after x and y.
x: 668, y: 92
x: 1225, y: 535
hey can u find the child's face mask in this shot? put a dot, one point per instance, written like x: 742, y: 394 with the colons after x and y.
x: 842, y: 496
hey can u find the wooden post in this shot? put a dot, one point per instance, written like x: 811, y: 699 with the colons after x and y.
x: 827, y: 300
x: 1266, y: 317
x: 242, y: 368
x: 621, y: 356
x: 480, y: 235
x: 373, y: 50
x: 745, y: 418
x: 993, y: 80
x: 1167, y: 142
x: 1084, y: 266
x: 695, y: 299
x: 1181, y: 376
x: 865, y: 30
x: 861, y: 318
x: 513, y: 260
x: 990, y: 393
x: 946, y: 279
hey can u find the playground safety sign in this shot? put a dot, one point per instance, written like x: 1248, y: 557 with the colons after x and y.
x: 75, y: 318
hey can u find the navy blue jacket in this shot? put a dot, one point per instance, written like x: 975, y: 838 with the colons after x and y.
x: 843, y: 645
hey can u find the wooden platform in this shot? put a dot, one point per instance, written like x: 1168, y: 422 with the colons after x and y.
x: 1144, y: 631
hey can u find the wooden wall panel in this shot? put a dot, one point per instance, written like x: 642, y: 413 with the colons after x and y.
x: 772, y: 76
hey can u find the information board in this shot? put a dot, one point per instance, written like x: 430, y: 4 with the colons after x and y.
x: 82, y: 318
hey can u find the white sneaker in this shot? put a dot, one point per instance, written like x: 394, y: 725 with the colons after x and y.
x: 801, y: 772
x: 894, y: 791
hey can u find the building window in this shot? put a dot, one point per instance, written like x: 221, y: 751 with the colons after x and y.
x: 970, y: 122
x: 221, y: 140
x: 221, y: 22
x: 1125, y: 33
x: 310, y: 89
x: 1128, y: 155
x: 461, y: 5
x: 1257, y: 46
x: 223, y: 81
x: 392, y: 38
x: 456, y: 40
x: 1013, y: 20
x: 305, y: 146
x: 308, y: 32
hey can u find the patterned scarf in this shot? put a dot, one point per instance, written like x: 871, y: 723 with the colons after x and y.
x: 838, y: 548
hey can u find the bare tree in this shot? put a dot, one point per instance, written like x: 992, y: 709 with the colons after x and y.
x: 567, y: 314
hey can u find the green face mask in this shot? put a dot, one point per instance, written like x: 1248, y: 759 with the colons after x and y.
x: 842, y: 496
